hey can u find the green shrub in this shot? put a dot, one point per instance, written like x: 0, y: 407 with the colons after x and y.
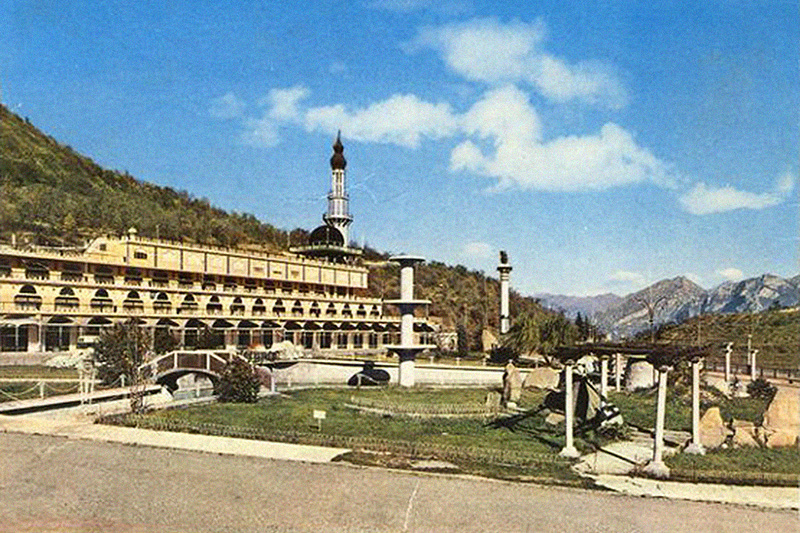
x: 762, y: 389
x: 238, y: 383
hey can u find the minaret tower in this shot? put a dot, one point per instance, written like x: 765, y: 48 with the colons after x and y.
x: 504, y: 269
x: 338, y: 214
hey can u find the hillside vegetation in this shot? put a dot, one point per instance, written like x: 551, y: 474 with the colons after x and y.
x: 50, y: 194
x: 775, y: 334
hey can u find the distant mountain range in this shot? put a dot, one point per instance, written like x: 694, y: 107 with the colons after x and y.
x: 675, y: 300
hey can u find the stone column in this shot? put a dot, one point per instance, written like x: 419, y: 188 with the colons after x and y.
x: 617, y: 371
x: 753, y: 372
x: 569, y: 413
x: 603, y: 379
x: 504, y: 271
x: 728, y: 352
x: 656, y: 466
x: 695, y: 447
x: 407, y: 350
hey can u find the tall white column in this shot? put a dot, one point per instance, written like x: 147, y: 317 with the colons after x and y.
x: 603, y: 378
x: 695, y: 447
x: 569, y: 413
x: 656, y: 466
x: 408, y: 349
x: 617, y: 371
x: 728, y: 351
x: 753, y: 373
x: 504, y: 271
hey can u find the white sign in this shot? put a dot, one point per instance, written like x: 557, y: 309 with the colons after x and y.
x: 319, y: 415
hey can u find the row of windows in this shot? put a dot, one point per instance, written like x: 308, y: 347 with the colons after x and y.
x: 27, y: 297
x: 134, y: 276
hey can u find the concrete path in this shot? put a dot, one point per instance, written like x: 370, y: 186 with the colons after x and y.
x: 78, y: 427
x: 768, y: 497
x: 54, y: 484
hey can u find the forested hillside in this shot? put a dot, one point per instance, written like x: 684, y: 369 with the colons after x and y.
x: 49, y: 194
x: 53, y: 195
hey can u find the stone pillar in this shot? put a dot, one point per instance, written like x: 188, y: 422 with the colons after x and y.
x: 504, y: 271
x: 695, y: 447
x: 753, y: 372
x: 603, y: 379
x: 617, y: 371
x: 408, y: 349
x: 656, y: 466
x: 569, y: 413
x: 728, y: 352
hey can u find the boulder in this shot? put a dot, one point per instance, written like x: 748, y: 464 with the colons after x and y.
x: 639, y: 375
x: 541, y: 378
x: 744, y: 433
x: 782, y: 418
x: 493, y: 401
x: 717, y: 382
x: 713, y: 432
x: 554, y: 419
x: 512, y: 384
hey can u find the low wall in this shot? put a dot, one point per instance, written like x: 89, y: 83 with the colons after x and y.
x: 328, y: 372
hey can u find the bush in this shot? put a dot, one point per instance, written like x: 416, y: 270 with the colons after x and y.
x: 238, y: 383
x: 501, y: 355
x: 762, y: 389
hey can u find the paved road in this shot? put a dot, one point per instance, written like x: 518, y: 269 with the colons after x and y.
x: 66, y: 485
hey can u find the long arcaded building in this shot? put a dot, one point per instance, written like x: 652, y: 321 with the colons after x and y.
x: 316, y: 296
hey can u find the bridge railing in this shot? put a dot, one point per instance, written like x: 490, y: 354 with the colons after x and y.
x: 212, y: 361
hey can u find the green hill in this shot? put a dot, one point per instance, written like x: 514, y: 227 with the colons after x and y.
x: 775, y: 334
x: 53, y: 195
x: 50, y: 194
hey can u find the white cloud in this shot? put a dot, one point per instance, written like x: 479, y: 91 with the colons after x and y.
x: 402, y: 119
x: 626, y: 278
x: 260, y: 132
x: 283, y: 103
x: 337, y: 67
x: 520, y: 158
x: 488, y: 51
x: 227, y: 106
x: 731, y: 274
x: 480, y: 250
x: 705, y: 199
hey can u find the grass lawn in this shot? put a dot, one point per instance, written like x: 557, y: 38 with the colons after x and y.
x: 483, y: 447
x: 639, y: 409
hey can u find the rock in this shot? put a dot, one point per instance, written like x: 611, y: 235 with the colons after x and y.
x: 639, y: 375
x: 719, y: 383
x: 541, y: 378
x: 713, y: 432
x: 744, y: 434
x: 782, y: 418
x: 493, y: 401
x: 512, y: 384
x: 554, y: 419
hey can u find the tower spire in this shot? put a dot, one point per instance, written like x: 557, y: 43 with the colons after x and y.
x: 338, y: 214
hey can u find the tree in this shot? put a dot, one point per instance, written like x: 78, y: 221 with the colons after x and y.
x: 163, y: 341
x: 121, y: 351
x: 238, y: 382
x: 540, y: 334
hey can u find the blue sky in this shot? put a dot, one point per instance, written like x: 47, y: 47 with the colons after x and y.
x: 604, y: 147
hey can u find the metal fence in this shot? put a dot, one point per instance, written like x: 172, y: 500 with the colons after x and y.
x: 357, y: 443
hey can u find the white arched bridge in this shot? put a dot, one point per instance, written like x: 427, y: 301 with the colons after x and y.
x: 167, y: 368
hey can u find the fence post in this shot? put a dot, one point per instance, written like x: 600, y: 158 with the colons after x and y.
x: 41, y: 390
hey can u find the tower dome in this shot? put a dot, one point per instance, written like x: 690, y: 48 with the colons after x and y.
x: 338, y: 162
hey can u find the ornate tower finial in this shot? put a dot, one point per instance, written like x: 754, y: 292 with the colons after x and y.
x: 338, y: 162
x: 338, y: 215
